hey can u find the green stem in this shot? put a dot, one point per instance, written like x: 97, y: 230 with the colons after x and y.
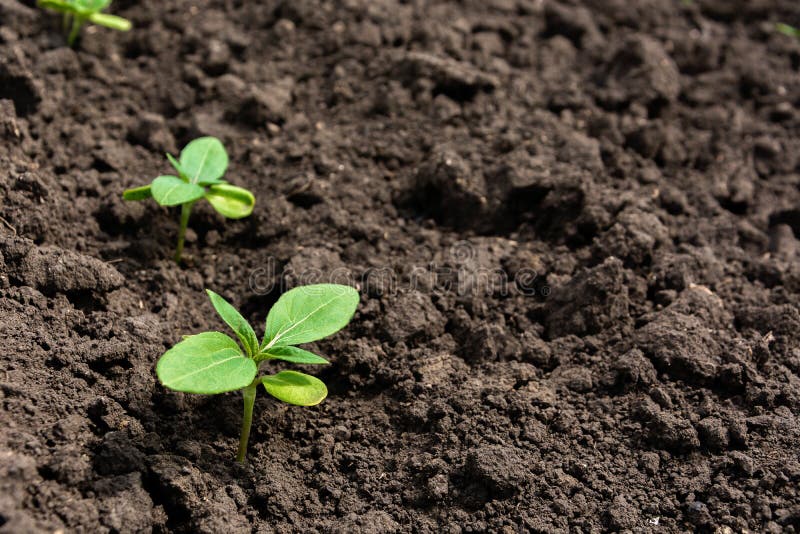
x: 77, y: 22
x: 249, y: 400
x: 186, y: 210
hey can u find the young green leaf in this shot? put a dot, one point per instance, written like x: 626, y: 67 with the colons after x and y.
x: 172, y: 191
x: 206, y: 363
x: 91, y: 6
x: 204, y: 160
x: 309, y: 313
x: 183, y: 174
x: 295, y: 388
x: 293, y: 355
x: 78, y: 12
x: 137, y: 193
x: 56, y: 5
x: 237, y: 323
x: 231, y: 201
x: 200, y: 169
x: 110, y: 21
x: 212, y: 362
x: 787, y: 30
x: 176, y: 166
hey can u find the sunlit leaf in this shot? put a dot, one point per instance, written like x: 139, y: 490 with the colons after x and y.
x: 87, y: 7
x: 206, y: 363
x: 231, y: 201
x: 309, y: 313
x: 785, y: 29
x: 293, y: 355
x: 295, y: 388
x: 137, y: 193
x: 204, y: 160
x: 235, y: 320
x: 172, y: 191
x: 176, y: 165
x: 57, y: 5
x: 110, y: 21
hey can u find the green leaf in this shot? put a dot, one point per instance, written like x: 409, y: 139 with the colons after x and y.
x: 137, y: 193
x: 309, y: 313
x: 206, y: 363
x: 292, y: 354
x: 231, y: 201
x: 785, y: 29
x: 172, y: 191
x: 110, y: 21
x: 295, y: 388
x: 177, y: 167
x: 212, y: 182
x: 56, y: 5
x: 204, y: 160
x: 90, y: 6
x: 235, y: 320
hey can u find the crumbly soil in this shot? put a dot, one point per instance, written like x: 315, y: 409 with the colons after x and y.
x: 574, y: 225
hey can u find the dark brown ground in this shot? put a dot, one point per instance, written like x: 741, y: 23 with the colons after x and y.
x: 640, y: 157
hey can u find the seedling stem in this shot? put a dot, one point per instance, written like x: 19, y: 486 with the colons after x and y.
x: 77, y: 23
x: 186, y: 210
x: 249, y: 401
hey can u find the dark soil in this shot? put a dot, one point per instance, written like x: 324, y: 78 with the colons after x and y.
x: 574, y: 225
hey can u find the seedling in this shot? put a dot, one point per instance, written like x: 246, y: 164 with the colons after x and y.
x: 78, y: 12
x: 200, y: 169
x: 213, y: 362
x: 785, y: 29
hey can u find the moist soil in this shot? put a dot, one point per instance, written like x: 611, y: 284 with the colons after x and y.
x: 574, y: 226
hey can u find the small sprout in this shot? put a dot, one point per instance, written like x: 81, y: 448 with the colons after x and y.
x: 785, y: 29
x: 213, y: 362
x: 200, y: 169
x: 78, y: 12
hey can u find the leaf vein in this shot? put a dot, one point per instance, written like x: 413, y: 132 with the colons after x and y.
x: 202, y: 162
x: 214, y: 364
x: 280, y: 335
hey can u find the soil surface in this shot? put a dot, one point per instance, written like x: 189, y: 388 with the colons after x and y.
x: 574, y: 225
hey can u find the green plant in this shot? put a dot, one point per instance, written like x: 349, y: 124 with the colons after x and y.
x: 78, y: 12
x: 200, y: 170
x: 213, y: 362
x: 785, y: 29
